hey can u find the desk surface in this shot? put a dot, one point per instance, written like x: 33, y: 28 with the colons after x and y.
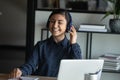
x: 5, y: 77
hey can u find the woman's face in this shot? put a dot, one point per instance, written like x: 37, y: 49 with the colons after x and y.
x: 57, y: 25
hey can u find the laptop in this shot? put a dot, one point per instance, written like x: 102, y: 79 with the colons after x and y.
x: 76, y: 69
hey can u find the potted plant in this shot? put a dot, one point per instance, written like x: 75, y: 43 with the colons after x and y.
x: 114, y: 23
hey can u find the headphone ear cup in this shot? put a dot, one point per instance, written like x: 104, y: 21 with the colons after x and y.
x: 69, y: 25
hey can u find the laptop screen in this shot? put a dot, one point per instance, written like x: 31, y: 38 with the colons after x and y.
x: 76, y: 69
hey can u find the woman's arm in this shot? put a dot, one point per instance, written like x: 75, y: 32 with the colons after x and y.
x: 75, y: 48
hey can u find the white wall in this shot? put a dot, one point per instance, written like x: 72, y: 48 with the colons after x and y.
x: 102, y: 43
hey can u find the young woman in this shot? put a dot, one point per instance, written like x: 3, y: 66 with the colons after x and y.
x: 47, y: 54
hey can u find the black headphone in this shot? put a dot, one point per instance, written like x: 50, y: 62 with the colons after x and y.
x: 67, y: 15
x: 69, y: 25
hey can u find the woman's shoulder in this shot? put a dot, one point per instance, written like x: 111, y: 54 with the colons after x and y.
x: 43, y: 42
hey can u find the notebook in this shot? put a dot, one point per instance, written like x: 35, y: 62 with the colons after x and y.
x: 25, y: 78
x: 77, y: 69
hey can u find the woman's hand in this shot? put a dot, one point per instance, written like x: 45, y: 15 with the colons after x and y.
x: 16, y: 73
x: 73, y: 35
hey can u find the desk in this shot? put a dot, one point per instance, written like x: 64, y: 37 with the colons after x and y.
x: 5, y: 77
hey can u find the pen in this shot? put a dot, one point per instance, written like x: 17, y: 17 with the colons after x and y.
x: 98, y: 71
x: 94, y: 73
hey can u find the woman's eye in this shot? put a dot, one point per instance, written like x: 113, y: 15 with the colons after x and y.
x: 60, y: 22
x: 52, y: 21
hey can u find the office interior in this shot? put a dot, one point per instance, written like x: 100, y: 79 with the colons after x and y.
x: 14, y: 35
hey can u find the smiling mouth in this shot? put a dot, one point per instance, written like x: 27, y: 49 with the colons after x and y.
x: 55, y: 30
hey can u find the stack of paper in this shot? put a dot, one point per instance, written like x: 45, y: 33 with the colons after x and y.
x: 93, y: 27
x: 111, y: 61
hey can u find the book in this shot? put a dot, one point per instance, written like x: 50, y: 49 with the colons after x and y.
x: 92, y: 26
x: 109, y: 60
x: 111, y: 67
x: 106, y: 63
x: 93, y: 30
x: 111, y: 56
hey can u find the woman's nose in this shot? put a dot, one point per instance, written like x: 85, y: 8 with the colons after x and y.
x: 55, y: 24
